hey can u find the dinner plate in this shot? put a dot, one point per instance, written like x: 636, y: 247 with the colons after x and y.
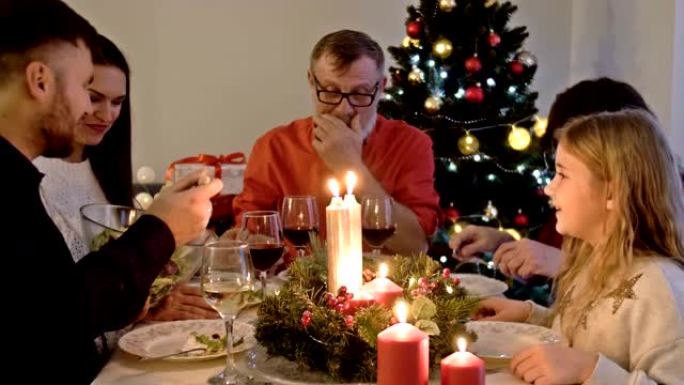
x: 480, y: 285
x: 497, y: 342
x: 169, y: 337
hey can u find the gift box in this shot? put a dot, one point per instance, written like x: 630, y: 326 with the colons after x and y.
x: 230, y: 168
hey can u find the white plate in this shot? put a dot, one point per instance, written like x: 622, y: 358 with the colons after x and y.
x: 480, y: 285
x: 168, y: 337
x: 498, y: 342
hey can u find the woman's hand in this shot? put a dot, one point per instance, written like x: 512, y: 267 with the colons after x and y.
x: 184, y: 302
x: 553, y: 364
x: 502, y: 309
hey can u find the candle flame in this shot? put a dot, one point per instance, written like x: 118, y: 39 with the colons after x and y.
x: 462, y: 344
x: 401, y: 311
x: 334, y: 187
x: 350, y: 180
x: 383, y: 270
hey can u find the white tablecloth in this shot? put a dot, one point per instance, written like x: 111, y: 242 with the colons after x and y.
x: 124, y: 369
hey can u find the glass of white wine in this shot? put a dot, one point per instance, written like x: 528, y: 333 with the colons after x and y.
x: 227, y: 281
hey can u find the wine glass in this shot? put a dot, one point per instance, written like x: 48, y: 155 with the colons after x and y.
x: 227, y: 284
x: 300, y: 216
x: 377, y: 222
x: 263, y: 232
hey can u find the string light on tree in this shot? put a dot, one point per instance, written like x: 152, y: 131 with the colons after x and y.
x: 491, y: 82
x: 447, y: 5
x: 408, y: 42
x: 460, y: 93
x: 442, y: 48
x: 526, y: 58
x: 468, y: 144
x: 415, y: 59
x: 540, y: 125
x: 519, y: 138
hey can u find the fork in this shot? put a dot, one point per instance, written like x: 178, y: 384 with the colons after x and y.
x: 173, y: 354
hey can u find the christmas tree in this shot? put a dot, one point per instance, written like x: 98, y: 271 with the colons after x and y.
x: 461, y: 74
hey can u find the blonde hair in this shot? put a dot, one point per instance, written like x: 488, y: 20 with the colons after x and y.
x: 629, y: 153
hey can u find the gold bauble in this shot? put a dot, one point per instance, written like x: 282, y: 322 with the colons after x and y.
x: 442, y: 48
x: 447, y: 5
x: 540, y: 126
x: 519, y: 138
x: 416, y: 76
x: 433, y: 104
x: 468, y: 144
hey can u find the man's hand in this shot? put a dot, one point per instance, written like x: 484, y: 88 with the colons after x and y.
x: 185, y: 206
x: 184, y: 302
x: 525, y: 258
x: 477, y: 239
x: 338, y: 145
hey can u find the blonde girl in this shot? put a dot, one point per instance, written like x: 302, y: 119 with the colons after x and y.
x: 620, y: 291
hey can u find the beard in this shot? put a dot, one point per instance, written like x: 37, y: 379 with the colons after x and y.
x: 58, y: 127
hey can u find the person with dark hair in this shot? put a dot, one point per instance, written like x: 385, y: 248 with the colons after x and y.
x: 59, y: 305
x: 346, y: 78
x: 526, y: 258
x: 98, y: 170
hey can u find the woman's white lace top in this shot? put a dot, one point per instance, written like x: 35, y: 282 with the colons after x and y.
x: 64, y: 189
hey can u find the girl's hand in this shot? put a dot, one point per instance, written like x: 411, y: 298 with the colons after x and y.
x: 502, y: 309
x: 548, y: 364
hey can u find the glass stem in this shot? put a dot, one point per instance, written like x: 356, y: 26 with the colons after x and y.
x: 230, y: 371
x: 262, y: 278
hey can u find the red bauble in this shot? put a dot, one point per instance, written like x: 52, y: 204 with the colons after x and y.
x: 472, y: 64
x: 517, y: 68
x: 521, y: 220
x: 474, y: 94
x: 494, y: 39
x: 414, y: 29
x: 452, y: 214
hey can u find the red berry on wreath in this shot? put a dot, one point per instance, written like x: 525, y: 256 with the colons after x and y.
x: 342, y: 290
x: 446, y: 273
x: 349, y: 321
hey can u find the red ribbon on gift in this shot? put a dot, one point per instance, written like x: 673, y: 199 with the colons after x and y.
x: 222, y: 204
x: 209, y: 160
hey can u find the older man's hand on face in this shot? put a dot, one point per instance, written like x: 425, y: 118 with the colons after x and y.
x: 338, y: 144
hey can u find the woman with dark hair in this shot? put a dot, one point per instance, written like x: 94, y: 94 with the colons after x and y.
x: 526, y: 258
x: 98, y: 170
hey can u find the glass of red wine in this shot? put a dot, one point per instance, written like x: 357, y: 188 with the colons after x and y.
x: 377, y: 222
x: 263, y: 232
x: 300, y: 217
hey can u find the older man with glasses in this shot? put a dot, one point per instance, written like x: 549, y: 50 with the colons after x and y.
x: 346, y: 76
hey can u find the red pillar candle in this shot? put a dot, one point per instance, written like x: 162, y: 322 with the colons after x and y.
x: 383, y: 289
x: 462, y: 367
x: 403, y: 353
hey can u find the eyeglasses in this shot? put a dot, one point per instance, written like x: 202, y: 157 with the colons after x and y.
x: 356, y: 99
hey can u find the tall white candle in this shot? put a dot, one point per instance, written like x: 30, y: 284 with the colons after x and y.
x: 338, y: 237
x: 354, y: 259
